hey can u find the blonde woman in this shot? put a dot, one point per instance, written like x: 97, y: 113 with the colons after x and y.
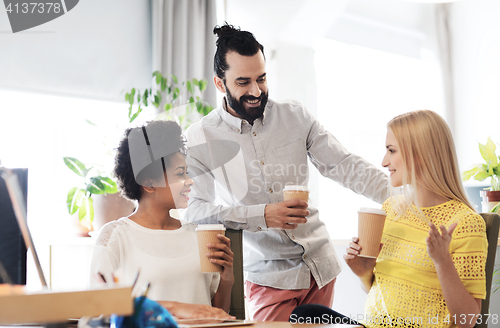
x: 430, y: 270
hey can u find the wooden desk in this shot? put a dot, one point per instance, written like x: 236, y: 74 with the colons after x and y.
x: 268, y: 324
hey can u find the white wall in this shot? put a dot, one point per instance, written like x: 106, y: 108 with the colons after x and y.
x: 475, y: 29
x: 95, y: 51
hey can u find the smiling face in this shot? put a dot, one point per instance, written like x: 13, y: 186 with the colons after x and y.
x: 393, y: 160
x: 245, y: 85
x: 179, y: 183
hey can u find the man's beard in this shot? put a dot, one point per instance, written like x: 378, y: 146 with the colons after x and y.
x: 250, y: 114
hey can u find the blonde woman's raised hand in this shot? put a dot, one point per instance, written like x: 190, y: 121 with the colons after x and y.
x: 438, y: 243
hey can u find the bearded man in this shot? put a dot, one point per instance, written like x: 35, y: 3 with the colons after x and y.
x: 242, y: 155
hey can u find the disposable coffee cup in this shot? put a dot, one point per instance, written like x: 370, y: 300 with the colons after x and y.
x: 370, y: 228
x: 296, y: 192
x: 207, y: 234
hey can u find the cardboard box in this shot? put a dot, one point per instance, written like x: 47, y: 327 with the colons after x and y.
x: 47, y: 306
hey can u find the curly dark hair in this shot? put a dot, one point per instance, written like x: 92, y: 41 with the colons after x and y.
x: 230, y: 38
x: 141, y: 152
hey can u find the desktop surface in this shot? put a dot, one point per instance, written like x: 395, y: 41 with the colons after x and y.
x: 266, y: 324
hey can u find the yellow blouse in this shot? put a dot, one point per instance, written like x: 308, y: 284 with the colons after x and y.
x: 406, y: 290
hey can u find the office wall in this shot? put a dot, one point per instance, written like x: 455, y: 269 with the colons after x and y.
x: 475, y: 43
x: 95, y: 51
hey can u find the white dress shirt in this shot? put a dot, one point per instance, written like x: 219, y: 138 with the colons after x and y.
x: 238, y: 168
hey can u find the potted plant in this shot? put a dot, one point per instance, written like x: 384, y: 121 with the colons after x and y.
x: 79, y: 198
x: 490, y: 169
x: 180, y: 102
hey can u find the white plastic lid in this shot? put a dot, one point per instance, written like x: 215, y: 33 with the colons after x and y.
x: 296, y: 188
x: 210, y: 227
x: 371, y: 210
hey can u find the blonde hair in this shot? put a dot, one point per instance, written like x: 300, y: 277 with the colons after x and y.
x: 429, y: 157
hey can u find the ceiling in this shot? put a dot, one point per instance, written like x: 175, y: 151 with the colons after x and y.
x: 303, y: 21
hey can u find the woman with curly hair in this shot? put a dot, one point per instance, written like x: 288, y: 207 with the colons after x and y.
x: 150, y: 168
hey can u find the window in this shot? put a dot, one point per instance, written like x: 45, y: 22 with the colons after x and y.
x: 37, y: 131
x: 359, y: 91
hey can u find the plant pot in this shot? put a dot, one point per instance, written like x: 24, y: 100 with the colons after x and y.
x: 489, y: 199
x: 78, y: 228
x: 110, y: 207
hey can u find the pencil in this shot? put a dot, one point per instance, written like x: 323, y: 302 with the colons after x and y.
x: 136, y: 278
x: 145, y: 294
x: 140, y: 301
x: 102, y: 277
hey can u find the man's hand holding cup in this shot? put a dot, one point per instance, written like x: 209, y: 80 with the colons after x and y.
x: 291, y: 212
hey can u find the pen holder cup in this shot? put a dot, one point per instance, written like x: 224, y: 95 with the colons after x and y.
x: 147, y: 313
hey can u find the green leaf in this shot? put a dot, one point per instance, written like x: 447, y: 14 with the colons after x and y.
x: 95, y: 186
x: 86, y: 210
x: 189, y: 87
x: 130, y: 111
x: 159, y: 77
x: 176, y: 93
x: 207, y: 109
x: 163, y: 84
x: 138, y: 97
x: 174, y: 78
x: 136, y: 114
x: 75, y: 166
x: 496, y: 208
x: 126, y: 97
x: 203, y: 85
x: 481, y: 176
x: 145, y: 98
x: 199, y: 107
x: 196, y: 82
x: 156, y: 102
x: 488, y: 152
x: 490, y: 169
x: 90, y: 122
x: 74, y: 196
x: 470, y: 173
x: 191, y: 100
x: 132, y: 95
x: 491, y: 145
x: 168, y: 107
x: 110, y: 186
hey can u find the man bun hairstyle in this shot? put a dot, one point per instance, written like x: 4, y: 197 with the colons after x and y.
x: 230, y: 38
